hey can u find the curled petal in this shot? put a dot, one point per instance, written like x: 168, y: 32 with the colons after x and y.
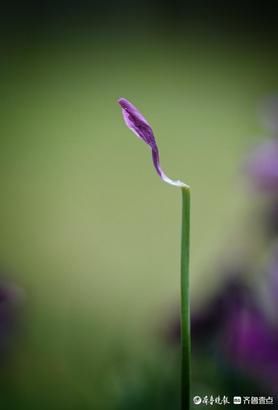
x: 135, y: 121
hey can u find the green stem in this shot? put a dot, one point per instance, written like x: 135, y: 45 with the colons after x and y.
x: 185, y: 301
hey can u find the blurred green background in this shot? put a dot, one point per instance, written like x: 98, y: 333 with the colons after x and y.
x: 88, y: 230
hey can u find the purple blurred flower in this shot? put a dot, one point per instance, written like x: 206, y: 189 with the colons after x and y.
x: 234, y: 326
x: 208, y: 322
x: 251, y: 343
x: 142, y: 129
x: 262, y: 167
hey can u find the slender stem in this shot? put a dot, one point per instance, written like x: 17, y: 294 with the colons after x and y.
x: 185, y: 301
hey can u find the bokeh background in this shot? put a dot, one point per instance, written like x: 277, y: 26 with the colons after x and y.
x: 90, y: 237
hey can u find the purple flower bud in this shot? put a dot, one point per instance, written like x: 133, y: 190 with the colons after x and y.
x: 262, y: 167
x: 142, y: 129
